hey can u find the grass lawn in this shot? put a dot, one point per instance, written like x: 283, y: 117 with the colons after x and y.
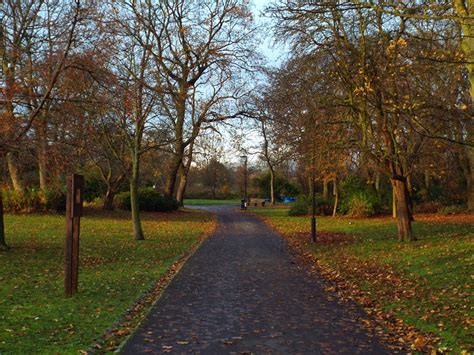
x: 114, y: 271
x: 426, y: 283
x: 207, y: 202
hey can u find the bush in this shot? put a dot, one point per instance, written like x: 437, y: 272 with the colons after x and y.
x: 28, y: 201
x: 94, y: 187
x: 453, y: 209
x: 13, y: 201
x: 34, y: 200
x: 427, y: 207
x: 323, y: 207
x: 148, y: 200
x: 300, y: 207
x: 363, y: 204
x: 303, y: 206
x: 283, y: 186
x: 358, y: 199
x: 56, y: 200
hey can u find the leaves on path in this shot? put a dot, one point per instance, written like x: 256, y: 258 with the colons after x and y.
x: 137, y: 312
x: 396, y: 334
x: 426, y: 283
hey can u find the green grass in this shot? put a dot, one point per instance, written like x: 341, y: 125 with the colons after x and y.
x: 436, y: 270
x: 114, y: 271
x: 207, y: 202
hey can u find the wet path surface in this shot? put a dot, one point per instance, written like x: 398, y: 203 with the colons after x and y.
x: 242, y: 292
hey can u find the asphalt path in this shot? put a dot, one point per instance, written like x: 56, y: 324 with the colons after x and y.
x: 243, y: 292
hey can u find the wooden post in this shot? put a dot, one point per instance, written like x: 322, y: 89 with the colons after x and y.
x: 75, y: 185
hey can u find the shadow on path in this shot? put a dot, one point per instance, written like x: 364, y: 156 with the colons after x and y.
x: 242, y: 292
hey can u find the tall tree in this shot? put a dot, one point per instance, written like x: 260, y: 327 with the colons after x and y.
x: 371, y: 59
x: 199, y: 47
x: 133, y: 118
x: 21, y: 34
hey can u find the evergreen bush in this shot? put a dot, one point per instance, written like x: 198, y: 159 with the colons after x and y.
x: 303, y: 206
x: 300, y: 207
x: 358, y: 199
x: 363, y: 204
x: 148, y: 200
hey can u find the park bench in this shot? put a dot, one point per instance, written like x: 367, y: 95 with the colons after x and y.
x: 257, y: 202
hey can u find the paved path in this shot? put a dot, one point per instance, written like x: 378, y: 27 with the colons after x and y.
x: 242, y: 292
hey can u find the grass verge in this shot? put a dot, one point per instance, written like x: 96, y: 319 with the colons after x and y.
x: 114, y: 271
x: 421, y: 290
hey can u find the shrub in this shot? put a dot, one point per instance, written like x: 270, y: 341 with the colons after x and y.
x: 363, y: 204
x: 35, y: 200
x: 148, y: 200
x: 28, y: 201
x: 303, y: 206
x: 453, y: 209
x: 323, y: 207
x: 300, y: 207
x: 56, y: 200
x: 283, y: 186
x: 94, y: 187
x: 427, y: 207
x: 13, y: 201
x: 358, y: 199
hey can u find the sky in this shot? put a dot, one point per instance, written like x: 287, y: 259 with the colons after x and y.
x: 274, y: 53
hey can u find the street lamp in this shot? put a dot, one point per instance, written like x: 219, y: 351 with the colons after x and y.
x: 244, y: 200
x: 313, y: 201
x: 313, y: 182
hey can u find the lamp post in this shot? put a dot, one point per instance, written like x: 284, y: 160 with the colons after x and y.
x: 313, y: 184
x: 244, y: 200
x: 313, y: 201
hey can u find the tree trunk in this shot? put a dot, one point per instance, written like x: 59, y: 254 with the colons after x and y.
x: 170, y: 182
x: 425, y: 190
x: 336, y: 197
x: 403, y: 210
x: 14, y: 173
x: 377, y: 181
x: 272, y: 186
x: 394, y: 203
x: 183, y: 174
x: 464, y: 9
x: 137, y: 224
x: 470, y: 178
x: 325, y: 189
x: 108, y: 202
x: 410, y: 196
x: 42, y: 153
x: 214, y: 183
x: 183, y: 182
x: 3, y: 244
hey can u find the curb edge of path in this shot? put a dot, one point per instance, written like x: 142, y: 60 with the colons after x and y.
x: 146, y: 300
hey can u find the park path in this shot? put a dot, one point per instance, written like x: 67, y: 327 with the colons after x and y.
x: 242, y: 292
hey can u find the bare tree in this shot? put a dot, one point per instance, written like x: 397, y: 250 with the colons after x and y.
x: 133, y: 115
x: 199, y: 46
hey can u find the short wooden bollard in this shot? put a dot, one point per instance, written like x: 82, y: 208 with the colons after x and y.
x: 75, y: 184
